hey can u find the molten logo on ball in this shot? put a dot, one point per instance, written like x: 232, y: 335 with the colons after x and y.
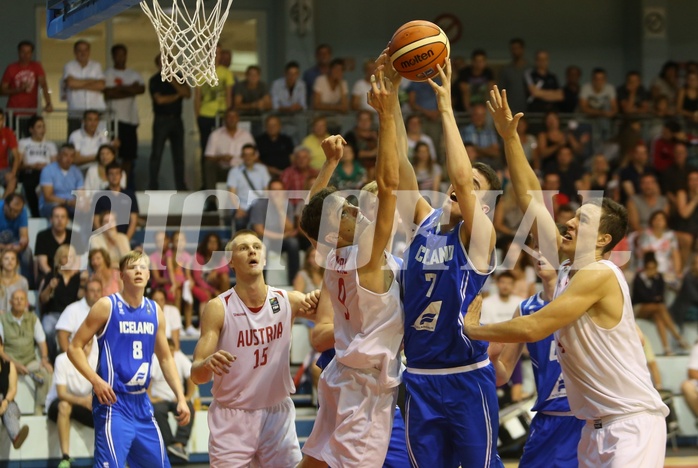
x: 410, y: 62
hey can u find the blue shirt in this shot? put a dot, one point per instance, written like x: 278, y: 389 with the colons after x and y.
x: 480, y: 137
x: 9, y: 228
x: 424, y: 95
x: 63, y: 182
x: 438, y: 284
x: 281, y: 96
x: 547, y: 371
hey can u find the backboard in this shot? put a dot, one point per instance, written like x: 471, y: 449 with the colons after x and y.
x: 65, y: 18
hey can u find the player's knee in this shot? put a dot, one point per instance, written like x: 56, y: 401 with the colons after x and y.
x: 64, y: 408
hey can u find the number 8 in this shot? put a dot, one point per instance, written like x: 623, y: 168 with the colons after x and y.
x: 137, y: 350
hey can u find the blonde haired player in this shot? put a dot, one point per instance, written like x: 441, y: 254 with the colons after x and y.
x: 245, y: 347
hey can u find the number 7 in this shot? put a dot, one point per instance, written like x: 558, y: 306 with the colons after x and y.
x: 431, y: 277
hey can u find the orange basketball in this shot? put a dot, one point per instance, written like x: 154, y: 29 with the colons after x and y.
x: 416, y: 48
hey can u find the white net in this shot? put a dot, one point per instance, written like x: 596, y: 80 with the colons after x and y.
x: 188, y: 39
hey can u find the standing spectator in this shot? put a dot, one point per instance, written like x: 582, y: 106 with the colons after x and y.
x: 74, y: 314
x: 427, y: 171
x: 21, y: 82
x: 211, y: 101
x: 224, y: 149
x: 474, y: 82
x: 88, y: 139
x: 363, y: 138
x: 360, y: 90
x: 570, y: 92
x: 323, y: 57
x: 297, y: 175
x: 667, y: 85
x: 318, y: 132
x: 330, y: 91
x: 687, y: 101
x: 275, y: 148
x: 647, y: 201
x: 123, y: 85
x: 685, y: 222
x: 125, y: 202
x: 597, y: 101
x: 512, y: 76
x: 349, y: 174
x: 8, y: 149
x: 82, y: 85
x: 629, y: 175
x: 422, y: 101
x: 70, y: 397
x: 289, y: 94
x: 100, y: 264
x: 247, y: 181
x: 111, y: 240
x: 58, y: 181
x: 251, y: 94
x: 544, y: 91
x: 14, y: 232
x: 167, y: 99
x: 48, y: 240
x: 413, y: 126
x: 661, y: 240
x: 10, y: 279
x: 35, y: 153
x: 8, y: 408
x: 22, y: 333
x: 551, y: 139
x: 96, y: 177
x: 633, y: 98
x: 482, y: 136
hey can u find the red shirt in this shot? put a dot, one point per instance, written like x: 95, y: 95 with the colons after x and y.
x: 8, y: 141
x: 663, y: 154
x: 23, y: 76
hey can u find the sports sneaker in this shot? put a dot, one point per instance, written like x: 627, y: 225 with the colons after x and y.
x: 65, y: 463
x: 178, y: 451
x: 21, y: 437
x: 191, y: 331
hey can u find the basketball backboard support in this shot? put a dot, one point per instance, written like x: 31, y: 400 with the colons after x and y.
x: 65, y: 18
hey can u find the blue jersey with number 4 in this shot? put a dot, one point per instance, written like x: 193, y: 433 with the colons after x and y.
x: 438, y: 284
x: 127, y: 344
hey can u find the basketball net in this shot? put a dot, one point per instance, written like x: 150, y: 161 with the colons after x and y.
x: 188, y: 40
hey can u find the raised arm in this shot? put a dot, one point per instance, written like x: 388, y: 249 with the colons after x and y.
x: 333, y: 147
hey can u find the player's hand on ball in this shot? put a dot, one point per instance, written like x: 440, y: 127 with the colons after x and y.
x: 219, y: 362
x: 504, y: 121
x: 383, y: 63
x: 382, y: 96
x: 104, y: 393
x: 443, y: 91
x: 333, y: 147
x: 183, y: 413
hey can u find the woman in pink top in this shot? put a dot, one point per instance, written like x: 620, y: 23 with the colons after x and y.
x: 158, y: 261
x: 100, y: 262
x: 209, y: 280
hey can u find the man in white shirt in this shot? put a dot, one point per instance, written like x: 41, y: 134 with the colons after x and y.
x: 224, y: 149
x: 359, y: 91
x: 501, y: 306
x: 87, y: 139
x: 35, y: 153
x: 247, y: 181
x: 123, y: 85
x: 597, y: 100
x: 82, y: 85
x: 72, y: 316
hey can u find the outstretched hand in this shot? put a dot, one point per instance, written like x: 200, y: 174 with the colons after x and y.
x: 382, y: 96
x: 443, y: 91
x: 504, y: 122
x: 333, y: 147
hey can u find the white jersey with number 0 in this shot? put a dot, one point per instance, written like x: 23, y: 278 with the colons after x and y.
x: 368, y: 327
x: 605, y: 369
x: 260, y: 377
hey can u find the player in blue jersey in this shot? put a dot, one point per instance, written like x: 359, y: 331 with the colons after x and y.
x: 451, y: 406
x: 554, y: 432
x: 130, y: 329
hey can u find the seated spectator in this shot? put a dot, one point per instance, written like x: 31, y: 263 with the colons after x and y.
x: 318, y: 132
x: 569, y: 171
x: 648, y: 302
x: 251, y: 95
x: 360, y: 90
x: 247, y: 182
x: 180, y: 280
x: 48, y: 240
x: 685, y: 221
x: 686, y: 302
x: 22, y: 333
x: 173, y: 318
x: 70, y: 397
x: 663, y: 147
x: 274, y: 222
x: 59, y: 289
x: 687, y: 101
x: 597, y: 101
x: 363, y: 138
x: 309, y: 278
x: 661, y: 240
x: 214, y: 279
x: 96, y: 177
x: 58, y: 181
x: 544, y: 93
x: 413, y: 126
x: 289, y: 94
x: 349, y: 174
x: 422, y: 102
x: 570, y: 92
x: 598, y: 178
x: 642, y: 205
x: 8, y: 408
x: 631, y: 172
x: 528, y: 141
x: 482, y: 136
x: 330, y: 91
x: 74, y: 314
x: 507, y: 218
x: 35, y: 153
x: 474, y: 82
x: 10, y: 279
x: 110, y: 239
x: 158, y: 260
x: 14, y: 232
x: 224, y: 149
x: 88, y: 139
x: 689, y: 388
x: 164, y: 401
x: 100, y: 264
x: 667, y: 85
x: 275, y: 148
x: 552, y: 139
x: 297, y: 176
x: 551, y: 183
x: 8, y: 149
x: 675, y: 177
x: 323, y: 58
x: 427, y: 171
x: 124, y: 201
x: 633, y: 98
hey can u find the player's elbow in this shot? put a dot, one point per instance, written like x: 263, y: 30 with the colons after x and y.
x: 388, y: 182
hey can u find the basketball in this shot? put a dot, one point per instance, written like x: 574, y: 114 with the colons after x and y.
x: 416, y: 48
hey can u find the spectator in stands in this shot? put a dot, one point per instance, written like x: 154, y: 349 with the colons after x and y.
x: 96, y: 176
x: 124, y: 201
x: 70, y: 397
x: 181, y: 282
x: 544, y: 91
x: 274, y: 221
x: 482, y: 136
x: 667, y: 85
x: 686, y: 302
x: 363, y: 138
x: 111, y: 240
x: 159, y: 260
x: 349, y: 174
x: 630, y: 174
x: 88, y: 139
x: 14, y: 232
x: 251, y: 95
x: 663, y: 147
x: 570, y: 92
x: 211, y: 101
x: 275, y: 148
x: 9, y: 410
x: 569, y: 170
x: 648, y: 302
x: 81, y: 85
x: 74, y: 314
x: 360, y: 90
x: 164, y: 402
x: 318, y: 132
x: 413, y: 126
x: 8, y: 150
x: 167, y: 97
x: 422, y: 102
x: 551, y: 182
x: 309, y: 278
x: 48, y: 240
x: 323, y: 57
x: 289, y: 94
x: 599, y: 177
x: 10, y: 279
x: 687, y: 101
x: 22, y: 333
x: 647, y: 201
x: 330, y: 91
x: 507, y: 218
x: 59, y: 289
x: 474, y: 82
x: 209, y: 280
x: 633, y: 98
x: 675, y: 177
x: 122, y: 86
x: 427, y: 171
x: 511, y: 77
x: 224, y: 149
x: 247, y: 182
x: 528, y: 141
x: 296, y: 176
x: 100, y: 265
x: 58, y: 181
x: 173, y: 318
x: 685, y: 221
x: 551, y: 139
x: 35, y: 153
x: 597, y: 100
x: 21, y: 82
x: 689, y: 388
x: 661, y: 240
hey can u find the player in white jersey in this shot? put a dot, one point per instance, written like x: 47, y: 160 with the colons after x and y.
x: 244, y: 346
x: 605, y: 370
x: 358, y: 389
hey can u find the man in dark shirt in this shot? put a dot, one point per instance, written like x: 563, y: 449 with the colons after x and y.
x: 275, y: 148
x: 48, y: 240
x: 544, y: 91
x: 570, y: 91
x: 120, y: 204
x: 167, y: 125
x: 630, y: 175
x: 568, y: 170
